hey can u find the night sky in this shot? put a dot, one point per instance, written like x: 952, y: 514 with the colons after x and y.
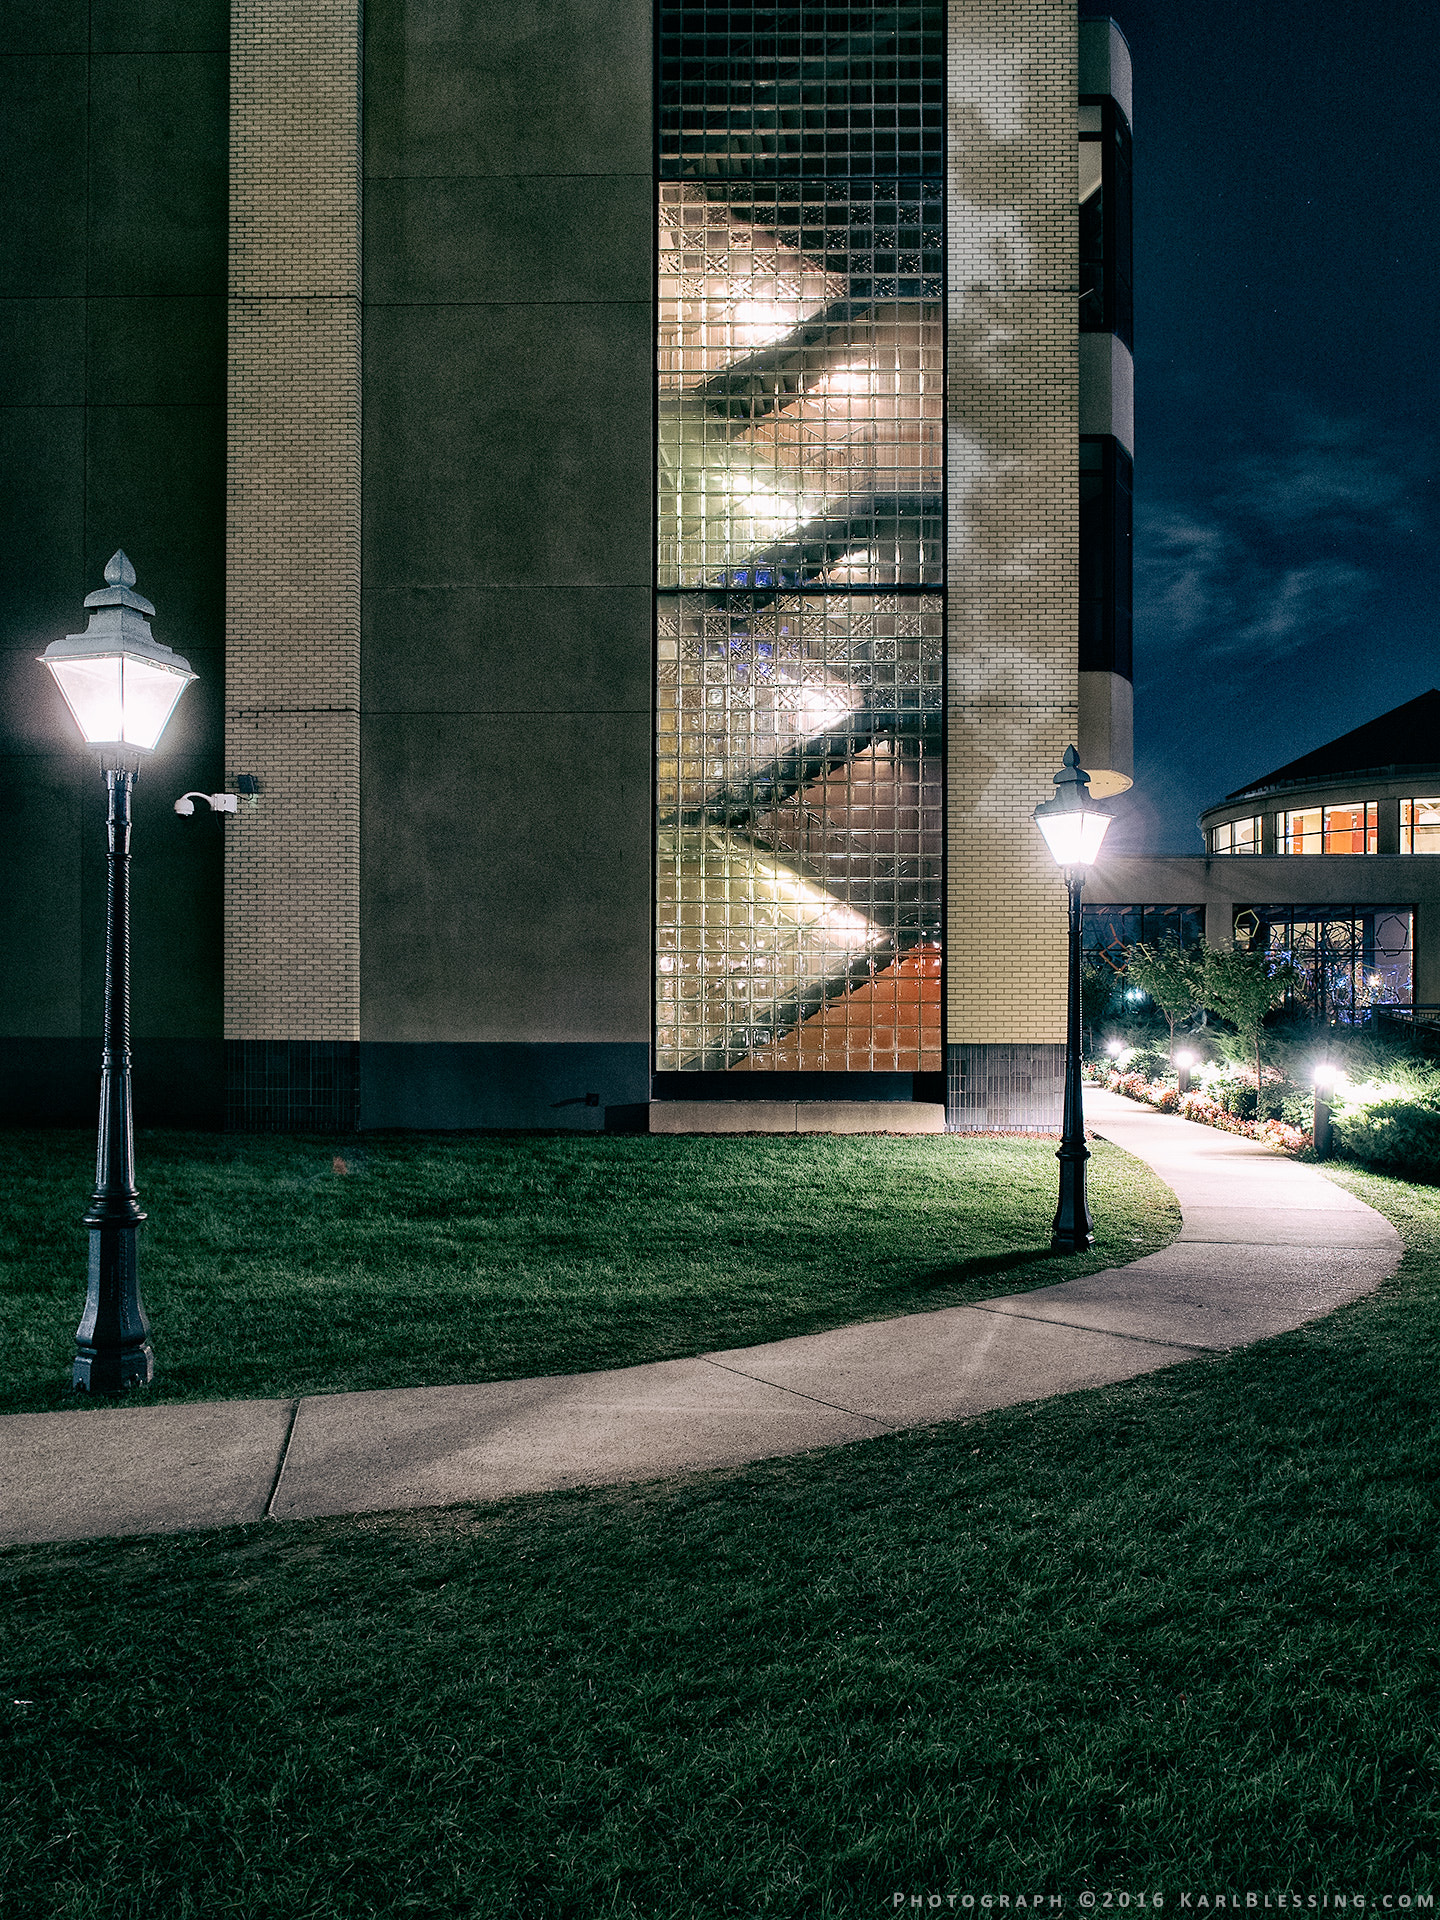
x: 1287, y: 374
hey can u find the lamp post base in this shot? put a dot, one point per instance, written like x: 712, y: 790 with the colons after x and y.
x: 1071, y: 1231
x: 112, y: 1342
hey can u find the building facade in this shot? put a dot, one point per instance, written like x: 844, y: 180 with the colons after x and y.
x: 646, y: 491
x: 1322, y: 862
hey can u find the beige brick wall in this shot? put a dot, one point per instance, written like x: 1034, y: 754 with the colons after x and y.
x: 1012, y: 457
x: 292, y: 629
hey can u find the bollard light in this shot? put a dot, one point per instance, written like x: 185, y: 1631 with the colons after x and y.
x: 1327, y: 1077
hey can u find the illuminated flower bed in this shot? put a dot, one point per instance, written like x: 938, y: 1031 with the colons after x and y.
x: 1204, y: 1110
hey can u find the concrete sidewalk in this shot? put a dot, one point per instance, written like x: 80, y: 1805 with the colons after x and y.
x: 1266, y: 1245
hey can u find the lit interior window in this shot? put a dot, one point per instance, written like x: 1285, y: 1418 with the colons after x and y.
x: 1349, y: 827
x: 1236, y: 836
x: 1420, y: 826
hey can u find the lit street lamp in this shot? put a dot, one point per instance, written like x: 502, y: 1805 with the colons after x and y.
x: 1073, y: 827
x: 121, y: 686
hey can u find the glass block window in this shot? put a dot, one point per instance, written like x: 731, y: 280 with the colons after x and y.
x: 1236, y: 836
x: 1350, y: 827
x: 1350, y: 959
x: 800, y: 562
x: 1420, y: 826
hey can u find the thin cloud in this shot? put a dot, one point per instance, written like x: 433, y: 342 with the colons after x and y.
x: 1286, y: 546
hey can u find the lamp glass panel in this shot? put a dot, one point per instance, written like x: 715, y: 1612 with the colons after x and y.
x: 1073, y: 838
x: 92, y: 690
x: 117, y: 698
x: 149, y: 697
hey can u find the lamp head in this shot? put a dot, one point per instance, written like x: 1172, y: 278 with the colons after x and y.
x: 1071, y: 822
x: 1114, y: 1048
x: 1184, y: 1059
x: 119, y: 682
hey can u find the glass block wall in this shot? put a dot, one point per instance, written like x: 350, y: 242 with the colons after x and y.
x: 800, y: 563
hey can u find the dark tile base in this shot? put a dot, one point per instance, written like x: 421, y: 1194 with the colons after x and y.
x: 798, y: 1086
x: 1016, y: 1088
x: 292, y: 1086
x: 56, y: 1083
x: 463, y: 1084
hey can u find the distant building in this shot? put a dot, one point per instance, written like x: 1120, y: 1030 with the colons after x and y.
x: 1324, y: 860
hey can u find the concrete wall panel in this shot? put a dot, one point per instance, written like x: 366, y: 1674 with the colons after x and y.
x: 157, y: 173
x: 511, y: 650
x: 502, y: 238
x: 507, y: 888
x: 43, y: 138
x: 113, y: 191
x: 534, y: 87
x: 508, y: 444
x: 506, y: 668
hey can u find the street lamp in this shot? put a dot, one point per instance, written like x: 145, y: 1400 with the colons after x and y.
x: 121, y: 686
x: 1073, y: 827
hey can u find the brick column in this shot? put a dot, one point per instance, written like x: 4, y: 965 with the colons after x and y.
x: 292, y: 629
x: 1012, y: 454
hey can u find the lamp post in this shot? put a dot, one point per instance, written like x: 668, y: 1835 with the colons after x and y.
x: 1183, y: 1063
x: 1073, y: 827
x: 121, y: 685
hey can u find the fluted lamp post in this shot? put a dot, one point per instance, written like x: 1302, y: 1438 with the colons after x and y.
x: 1073, y: 826
x: 121, y: 685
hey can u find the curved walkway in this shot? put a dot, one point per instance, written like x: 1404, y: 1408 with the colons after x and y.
x: 1266, y: 1245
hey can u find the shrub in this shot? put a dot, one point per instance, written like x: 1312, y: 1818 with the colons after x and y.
x: 1400, y: 1134
x: 1297, y: 1109
x: 1167, y: 1100
x: 1235, y: 1098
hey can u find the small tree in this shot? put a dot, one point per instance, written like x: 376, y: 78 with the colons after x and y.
x: 1174, y: 978
x: 1099, y: 983
x: 1242, y: 988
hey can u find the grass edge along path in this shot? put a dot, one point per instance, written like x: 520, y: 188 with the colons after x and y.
x: 1171, y: 1636
x: 277, y: 1266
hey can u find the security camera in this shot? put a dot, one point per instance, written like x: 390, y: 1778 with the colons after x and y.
x: 217, y: 802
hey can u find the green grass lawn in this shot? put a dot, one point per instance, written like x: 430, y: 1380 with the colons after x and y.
x: 1177, y: 1634
x: 432, y: 1259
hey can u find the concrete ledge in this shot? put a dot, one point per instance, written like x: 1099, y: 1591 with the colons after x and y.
x: 796, y: 1116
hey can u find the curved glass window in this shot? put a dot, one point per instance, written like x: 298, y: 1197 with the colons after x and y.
x: 1349, y: 827
x: 1420, y: 826
x: 1107, y: 303
x: 1236, y: 836
x: 1106, y: 557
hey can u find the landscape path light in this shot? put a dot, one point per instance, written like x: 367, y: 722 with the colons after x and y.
x: 1184, y: 1061
x: 1074, y: 827
x: 121, y: 685
x: 1327, y: 1077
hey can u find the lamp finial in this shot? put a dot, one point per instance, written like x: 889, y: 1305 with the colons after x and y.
x: 118, y: 570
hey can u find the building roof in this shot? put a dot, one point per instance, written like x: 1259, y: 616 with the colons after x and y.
x: 1406, y: 737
